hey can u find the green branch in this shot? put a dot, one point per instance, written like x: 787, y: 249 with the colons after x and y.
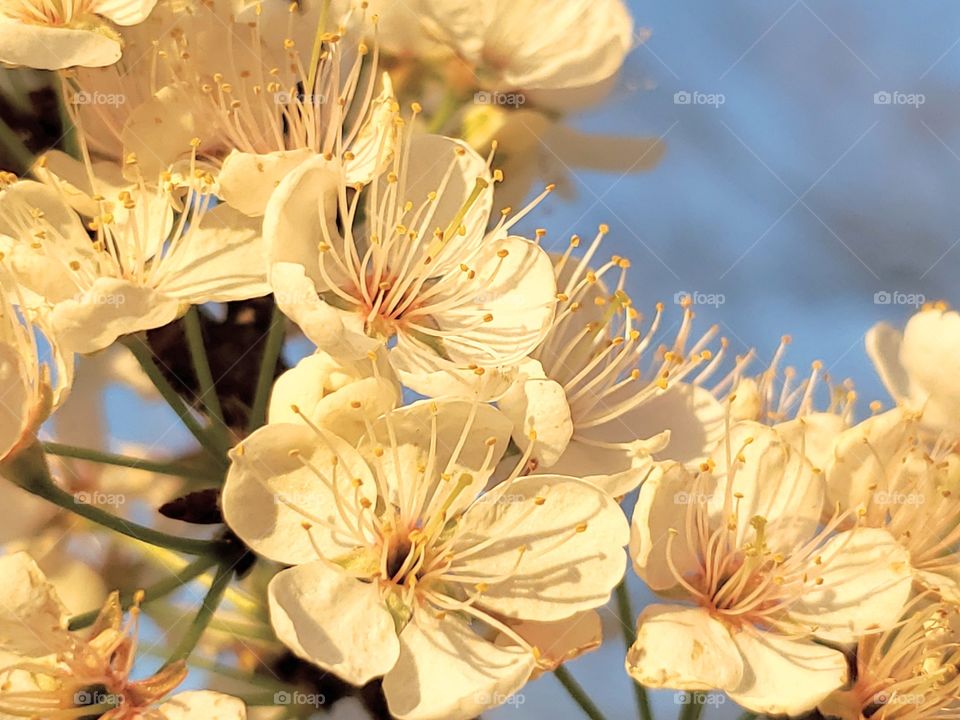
x: 201, y: 366
x: 268, y: 367
x: 578, y: 694
x: 105, y: 458
x: 208, y: 608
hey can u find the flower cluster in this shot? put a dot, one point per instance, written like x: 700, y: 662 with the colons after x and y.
x: 423, y: 484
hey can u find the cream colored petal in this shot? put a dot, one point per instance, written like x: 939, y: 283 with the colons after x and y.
x: 685, y: 649
x: 539, y: 406
x: 23, y: 514
x: 110, y: 309
x: 125, y: 12
x: 376, y: 142
x: 929, y: 354
x: 247, y: 180
x: 158, y: 131
x: 883, y: 343
x: 815, y: 435
x: 17, y: 398
x: 54, y: 47
x: 863, y: 457
x: 301, y: 214
x: 334, y: 395
x: 269, y: 494
x: 557, y: 550
x: 561, y: 640
x: 776, y: 482
x: 448, y: 672
x: 509, y: 312
x: 693, y: 416
x: 428, y: 170
x: 202, y: 705
x: 428, y: 374
x: 461, y: 452
x: 667, y: 499
x: 866, y: 582
x: 616, y: 471
x: 296, y: 296
x: 783, y: 676
x: 33, y: 621
x: 220, y: 260
x: 334, y: 620
x: 64, y: 240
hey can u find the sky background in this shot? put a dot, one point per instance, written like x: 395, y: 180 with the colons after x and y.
x: 797, y: 200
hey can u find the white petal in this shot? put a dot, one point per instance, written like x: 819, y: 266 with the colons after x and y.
x: 776, y: 482
x: 461, y: 452
x: 222, y: 259
x: 202, y: 705
x: 430, y: 375
x: 17, y: 397
x: 516, y: 292
x: 815, y: 435
x: 247, y: 180
x: 110, y: 309
x: 33, y: 621
x: 866, y: 582
x: 333, y: 620
x: 56, y: 47
x: 783, y: 676
x: 685, y: 649
x: 269, y: 494
x: 158, y: 131
x: 125, y: 12
x: 327, y: 392
x: 572, y: 535
x: 561, y: 640
x: 665, y: 499
x: 376, y: 141
x: 540, y: 405
x: 883, y: 346
x: 448, y: 672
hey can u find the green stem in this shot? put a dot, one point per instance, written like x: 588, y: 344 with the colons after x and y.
x: 144, y: 355
x: 105, y: 458
x: 157, y: 590
x: 211, y: 602
x: 749, y: 716
x: 268, y: 366
x: 69, y: 140
x: 578, y: 694
x: 692, y: 710
x: 201, y: 366
x: 244, y: 630
x: 627, y: 621
x: 29, y: 470
x: 14, y: 146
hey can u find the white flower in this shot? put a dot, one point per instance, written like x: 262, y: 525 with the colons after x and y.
x: 398, y: 564
x: 742, y: 541
x: 908, y: 672
x: 262, y: 89
x: 881, y: 470
x: 530, y: 44
x: 47, y: 671
x: 596, y: 411
x: 921, y: 367
x: 421, y: 274
x: 144, y: 267
x: 55, y: 34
